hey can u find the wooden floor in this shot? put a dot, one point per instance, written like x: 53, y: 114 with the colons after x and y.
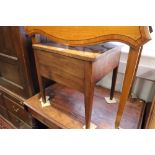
x: 67, y: 109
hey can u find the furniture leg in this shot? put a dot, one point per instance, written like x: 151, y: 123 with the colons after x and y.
x: 88, y: 93
x: 114, y: 77
x: 88, y: 99
x: 42, y: 88
x: 141, y: 48
x: 132, y: 63
x: 40, y: 80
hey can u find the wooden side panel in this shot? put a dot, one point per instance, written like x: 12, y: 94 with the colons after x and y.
x: 14, y: 67
x: 106, y: 63
x: 10, y: 70
x: 7, y: 46
x: 64, y: 70
x: 62, y: 63
x: 10, y: 73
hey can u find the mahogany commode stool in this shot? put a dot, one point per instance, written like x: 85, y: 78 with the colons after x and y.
x: 76, y: 69
x: 81, y: 69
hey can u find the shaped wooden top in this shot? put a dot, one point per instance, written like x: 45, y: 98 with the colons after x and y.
x: 134, y: 36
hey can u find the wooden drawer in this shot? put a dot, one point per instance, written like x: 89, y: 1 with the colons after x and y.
x: 1, y: 100
x: 13, y: 119
x: 62, y: 69
x: 14, y: 107
x: 3, y: 112
x: 17, y: 122
x: 60, y: 63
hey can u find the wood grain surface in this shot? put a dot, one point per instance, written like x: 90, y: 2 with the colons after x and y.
x: 67, y: 109
x: 134, y: 36
x: 85, y: 35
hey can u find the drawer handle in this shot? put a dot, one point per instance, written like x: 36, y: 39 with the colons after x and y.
x: 15, y: 109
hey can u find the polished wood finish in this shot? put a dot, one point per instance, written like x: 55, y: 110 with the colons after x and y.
x: 67, y: 109
x: 78, y: 71
x: 128, y: 81
x: 89, y: 84
x: 70, y: 74
x: 12, y: 109
x: 134, y: 36
x: 14, y: 62
x: 17, y: 75
x: 88, y: 35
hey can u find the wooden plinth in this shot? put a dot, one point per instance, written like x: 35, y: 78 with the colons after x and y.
x: 67, y: 109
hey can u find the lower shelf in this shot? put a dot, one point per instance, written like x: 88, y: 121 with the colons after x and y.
x: 67, y: 109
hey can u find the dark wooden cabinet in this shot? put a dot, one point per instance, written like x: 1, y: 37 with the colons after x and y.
x: 15, y: 48
x: 12, y: 109
x: 17, y: 75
